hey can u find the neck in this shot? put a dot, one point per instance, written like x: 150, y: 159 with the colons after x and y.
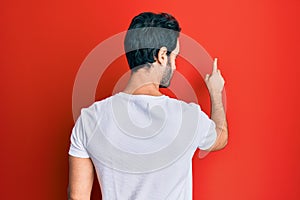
x: 141, y: 82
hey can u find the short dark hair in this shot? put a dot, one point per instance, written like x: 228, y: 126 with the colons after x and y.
x: 147, y: 33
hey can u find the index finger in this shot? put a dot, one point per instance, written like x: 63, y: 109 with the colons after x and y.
x: 215, y: 65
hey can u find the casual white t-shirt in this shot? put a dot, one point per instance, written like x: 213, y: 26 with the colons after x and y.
x: 141, y: 145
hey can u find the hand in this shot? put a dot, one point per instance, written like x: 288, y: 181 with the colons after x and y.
x: 214, y: 81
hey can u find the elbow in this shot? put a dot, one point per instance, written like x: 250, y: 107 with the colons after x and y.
x: 222, y: 140
x: 225, y: 139
x: 73, y: 196
x: 70, y: 195
x: 224, y: 144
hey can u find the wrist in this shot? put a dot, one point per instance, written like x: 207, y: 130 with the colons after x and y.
x: 215, y: 94
x: 216, y: 97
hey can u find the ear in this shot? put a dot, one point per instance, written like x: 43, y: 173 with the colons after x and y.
x: 162, y: 56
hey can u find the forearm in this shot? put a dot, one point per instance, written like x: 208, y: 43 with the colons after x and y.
x: 219, y: 117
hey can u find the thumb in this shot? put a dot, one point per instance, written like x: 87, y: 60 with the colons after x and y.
x: 206, y: 77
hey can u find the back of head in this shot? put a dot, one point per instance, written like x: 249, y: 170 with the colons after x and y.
x: 147, y: 33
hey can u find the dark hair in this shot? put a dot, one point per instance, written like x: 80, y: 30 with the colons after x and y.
x: 147, y: 33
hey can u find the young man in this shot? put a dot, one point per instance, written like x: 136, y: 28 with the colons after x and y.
x: 140, y: 141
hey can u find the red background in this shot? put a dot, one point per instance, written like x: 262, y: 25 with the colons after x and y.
x: 256, y: 41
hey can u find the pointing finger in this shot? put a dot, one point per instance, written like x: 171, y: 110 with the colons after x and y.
x: 215, y: 65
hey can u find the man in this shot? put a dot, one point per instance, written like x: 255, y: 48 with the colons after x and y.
x: 140, y: 141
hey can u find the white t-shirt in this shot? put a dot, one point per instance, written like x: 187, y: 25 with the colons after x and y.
x: 142, y: 146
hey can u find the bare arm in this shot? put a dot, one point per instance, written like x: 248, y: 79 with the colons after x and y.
x: 215, y: 84
x: 81, y: 177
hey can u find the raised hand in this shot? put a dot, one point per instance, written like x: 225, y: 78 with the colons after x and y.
x: 214, y: 81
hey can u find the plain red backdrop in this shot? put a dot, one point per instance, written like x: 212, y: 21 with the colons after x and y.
x: 257, y: 42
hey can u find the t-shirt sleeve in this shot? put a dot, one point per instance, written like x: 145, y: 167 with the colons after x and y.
x: 207, y: 131
x: 78, y: 139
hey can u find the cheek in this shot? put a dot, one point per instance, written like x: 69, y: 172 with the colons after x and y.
x: 173, y: 62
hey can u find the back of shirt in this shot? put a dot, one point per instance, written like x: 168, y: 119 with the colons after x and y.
x: 142, y: 146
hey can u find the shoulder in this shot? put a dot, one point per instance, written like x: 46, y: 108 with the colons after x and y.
x: 94, y: 111
x: 97, y: 105
x: 185, y: 105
